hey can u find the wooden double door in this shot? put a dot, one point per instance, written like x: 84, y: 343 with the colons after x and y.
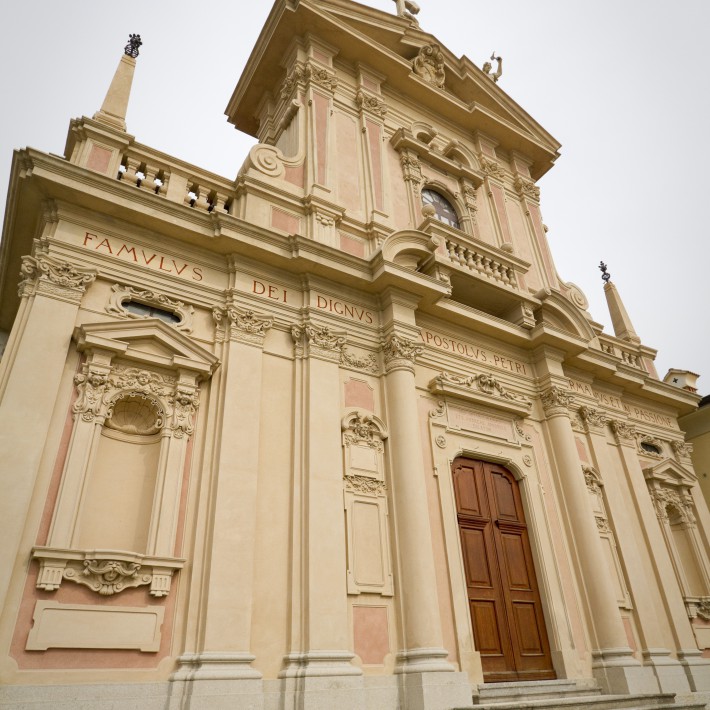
x: 508, y: 623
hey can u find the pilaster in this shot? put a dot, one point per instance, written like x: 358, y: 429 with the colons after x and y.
x: 51, y: 292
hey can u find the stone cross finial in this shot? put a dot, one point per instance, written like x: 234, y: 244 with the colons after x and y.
x: 134, y: 42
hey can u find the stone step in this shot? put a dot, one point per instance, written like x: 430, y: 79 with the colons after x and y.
x: 532, y: 690
x: 664, y: 701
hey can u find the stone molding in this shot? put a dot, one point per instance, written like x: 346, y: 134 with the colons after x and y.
x: 556, y: 401
x: 120, y: 294
x: 105, y: 572
x: 482, y: 389
x: 54, y: 278
x: 400, y: 353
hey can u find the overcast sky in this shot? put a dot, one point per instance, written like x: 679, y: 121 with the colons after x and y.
x: 622, y: 84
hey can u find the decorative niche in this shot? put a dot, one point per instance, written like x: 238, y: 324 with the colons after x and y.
x: 115, y: 522
x: 365, y: 499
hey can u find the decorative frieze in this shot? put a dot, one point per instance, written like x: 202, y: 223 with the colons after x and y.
x: 370, y: 102
x: 556, y: 400
x: 121, y: 294
x: 54, y: 277
x: 365, y: 485
x: 400, y: 353
x: 106, y: 572
x: 429, y: 65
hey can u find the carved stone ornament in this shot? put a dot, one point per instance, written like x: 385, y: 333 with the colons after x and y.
x: 602, y: 524
x: 365, y: 485
x: 104, y: 572
x: 698, y: 607
x: 53, y: 277
x: 624, y: 432
x: 429, y: 65
x: 369, y: 102
x: 527, y: 188
x: 593, y: 419
x: 521, y: 431
x: 678, y: 501
x: 484, y: 383
x: 651, y: 441
x: 305, y: 73
x: 241, y: 325
x: 490, y: 167
x: 363, y: 429
x: 469, y: 197
x: 556, y: 400
x: 439, y: 412
x: 367, y: 362
x: 121, y: 294
x: 400, y: 353
x: 681, y: 448
x: 320, y: 341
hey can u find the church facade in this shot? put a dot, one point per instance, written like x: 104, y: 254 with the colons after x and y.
x: 334, y: 433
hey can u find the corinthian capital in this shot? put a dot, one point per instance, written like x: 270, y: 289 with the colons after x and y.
x: 321, y: 341
x: 593, y: 419
x: 556, y: 400
x: 400, y: 353
x: 624, y: 432
x: 54, y: 277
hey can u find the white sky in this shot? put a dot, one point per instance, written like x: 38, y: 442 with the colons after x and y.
x: 622, y: 84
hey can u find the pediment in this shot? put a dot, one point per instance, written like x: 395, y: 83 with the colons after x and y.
x: 148, y: 341
x: 388, y: 44
x: 559, y: 312
x: 670, y: 473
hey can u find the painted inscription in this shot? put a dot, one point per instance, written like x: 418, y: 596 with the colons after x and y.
x: 609, y: 400
x: 473, y: 352
x: 343, y: 308
x: 137, y: 255
x: 267, y: 290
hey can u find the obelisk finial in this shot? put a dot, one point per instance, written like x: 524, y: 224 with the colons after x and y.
x: 134, y: 43
x: 605, y: 274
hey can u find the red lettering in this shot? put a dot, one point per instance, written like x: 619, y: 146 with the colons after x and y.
x: 273, y: 290
x: 197, y: 273
x: 258, y: 285
x: 104, y: 242
x: 162, y: 258
x: 321, y: 305
x: 349, y: 311
x: 89, y: 237
x: 335, y: 306
x: 128, y: 250
x: 439, y: 343
x: 429, y: 336
x: 146, y: 259
x: 285, y: 292
x: 368, y: 318
x: 179, y: 271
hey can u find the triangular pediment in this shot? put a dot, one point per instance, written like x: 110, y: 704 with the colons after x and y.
x: 388, y: 44
x: 148, y: 341
x: 670, y: 473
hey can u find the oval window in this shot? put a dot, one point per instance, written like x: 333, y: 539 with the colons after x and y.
x: 445, y: 211
x: 141, y: 309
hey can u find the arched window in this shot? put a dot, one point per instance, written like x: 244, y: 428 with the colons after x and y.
x: 445, y: 211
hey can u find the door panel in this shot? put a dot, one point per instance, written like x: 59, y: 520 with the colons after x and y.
x: 506, y: 613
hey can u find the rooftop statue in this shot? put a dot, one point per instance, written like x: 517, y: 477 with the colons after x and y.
x: 407, y: 8
x: 487, y: 67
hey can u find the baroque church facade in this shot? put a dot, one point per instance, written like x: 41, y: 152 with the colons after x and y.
x: 334, y: 433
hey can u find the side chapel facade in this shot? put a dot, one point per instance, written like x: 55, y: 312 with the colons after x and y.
x: 335, y: 433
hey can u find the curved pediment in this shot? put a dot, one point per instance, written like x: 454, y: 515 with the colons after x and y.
x: 559, y: 312
x: 409, y: 248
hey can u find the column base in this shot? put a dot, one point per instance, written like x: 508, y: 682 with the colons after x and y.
x: 434, y: 691
x: 670, y: 674
x: 697, y: 669
x: 216, y: 681
x: 423, y: 660
x: 618, y: 672
x: 319, y: 664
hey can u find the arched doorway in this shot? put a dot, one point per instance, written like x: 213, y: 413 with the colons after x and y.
x: 506, y: 613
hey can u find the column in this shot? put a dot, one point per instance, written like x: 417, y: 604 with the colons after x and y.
x: 318, y: 671
x: 51, y: 292
x: 422, y: 661
x: 221, y: 669
x: 614, y: 666
x: 669, y: 674
x: 689, y: 655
